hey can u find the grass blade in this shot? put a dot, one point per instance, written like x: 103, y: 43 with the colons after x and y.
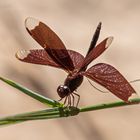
x: 40, y: 115
x: 110, y: 105
x: 32, y: 94
x: 36, y: 115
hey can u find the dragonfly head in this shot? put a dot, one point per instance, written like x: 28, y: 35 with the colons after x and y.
x: 63, y: 91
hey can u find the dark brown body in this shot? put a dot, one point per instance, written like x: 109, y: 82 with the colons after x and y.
x: 73, y: 81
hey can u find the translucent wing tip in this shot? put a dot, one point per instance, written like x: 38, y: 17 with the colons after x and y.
x: 22, y: 54
x: 31, y: 23
x: 109, y: 41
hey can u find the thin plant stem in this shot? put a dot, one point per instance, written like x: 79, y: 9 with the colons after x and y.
x: 110, y: 105
x: 60, y: 112
x: 32, y: 94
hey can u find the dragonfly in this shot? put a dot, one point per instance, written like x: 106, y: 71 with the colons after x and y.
x: 55, y: 54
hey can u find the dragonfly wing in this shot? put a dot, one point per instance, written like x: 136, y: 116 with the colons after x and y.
x: 110, y: 78
x: 41, y: 57
x: 95, y: 52
x: 50, y: 42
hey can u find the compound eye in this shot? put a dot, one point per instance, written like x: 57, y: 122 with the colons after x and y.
x: 63, y: 91
x: 66, y: 89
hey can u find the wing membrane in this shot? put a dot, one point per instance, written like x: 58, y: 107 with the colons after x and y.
x: 41, y: 57
x: 111, y: 79
x: 95, y: 52
x: 50, y: 42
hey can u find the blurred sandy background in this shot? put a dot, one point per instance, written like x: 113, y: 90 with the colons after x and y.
x: 74, y: 22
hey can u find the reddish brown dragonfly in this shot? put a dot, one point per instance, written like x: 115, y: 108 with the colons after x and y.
x: 55, y: 54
